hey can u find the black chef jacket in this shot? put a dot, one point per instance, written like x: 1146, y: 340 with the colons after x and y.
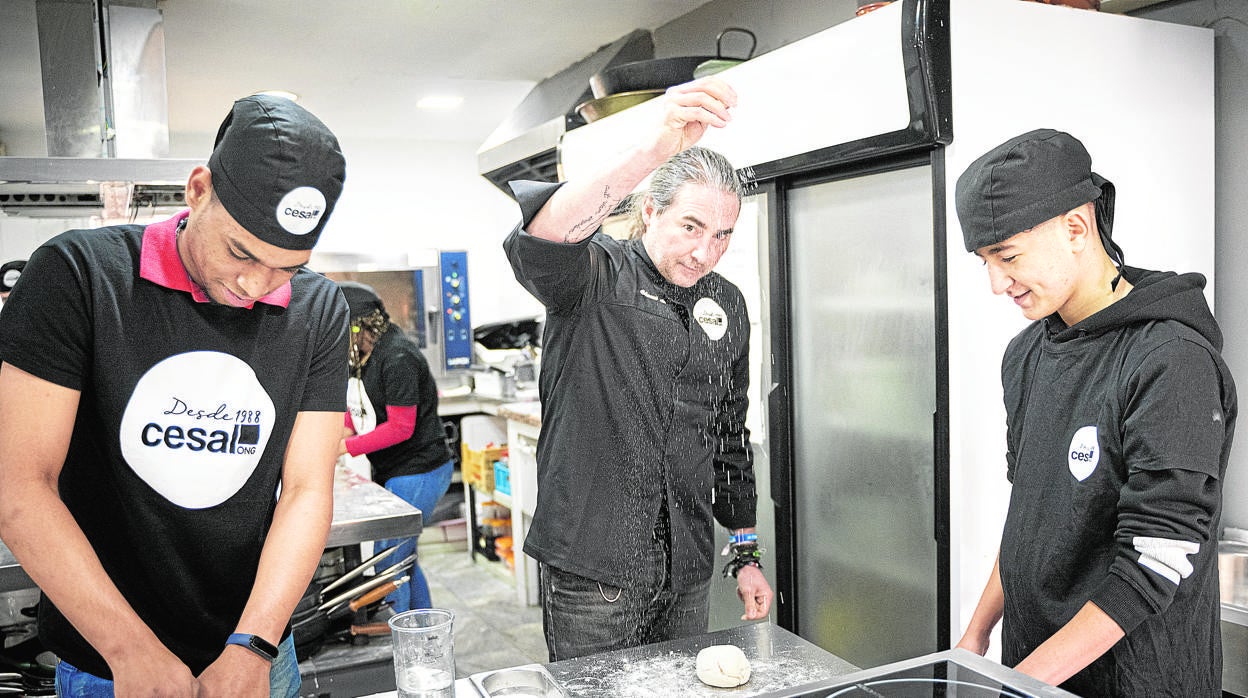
x: 644, y: 394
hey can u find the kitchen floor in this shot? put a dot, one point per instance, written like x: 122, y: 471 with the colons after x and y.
x: 492, y: 629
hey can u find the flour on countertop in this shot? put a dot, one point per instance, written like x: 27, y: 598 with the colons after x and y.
x: 675, y: 674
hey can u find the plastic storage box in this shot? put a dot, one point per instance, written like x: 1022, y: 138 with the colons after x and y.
x: 477, y: 466
x: 502, y: 477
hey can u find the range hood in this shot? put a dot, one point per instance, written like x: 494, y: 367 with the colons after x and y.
x: 102, y: 65
x: 526, y: 145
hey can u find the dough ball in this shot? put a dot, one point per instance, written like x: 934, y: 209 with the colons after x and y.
x: 724, y: 666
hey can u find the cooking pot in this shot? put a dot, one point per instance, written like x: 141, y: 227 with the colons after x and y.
x: 595, y: 109
x: 720, y: 62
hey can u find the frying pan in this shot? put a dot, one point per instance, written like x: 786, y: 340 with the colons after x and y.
x: 653, y: 74
x: 662, y: 73
x: 719, y: 62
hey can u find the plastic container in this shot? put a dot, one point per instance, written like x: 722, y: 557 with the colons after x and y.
x: 495, y: 528
x: 502, y: 477
x: 491, y: 509
x: 477, y: 466
x: 483, y: 440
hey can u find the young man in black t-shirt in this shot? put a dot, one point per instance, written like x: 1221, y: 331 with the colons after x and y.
x: 170, y: 401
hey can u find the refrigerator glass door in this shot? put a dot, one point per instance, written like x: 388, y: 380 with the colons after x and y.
x: 863, y: 338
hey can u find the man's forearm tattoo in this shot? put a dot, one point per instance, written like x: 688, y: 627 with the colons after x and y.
x: 604, y: 207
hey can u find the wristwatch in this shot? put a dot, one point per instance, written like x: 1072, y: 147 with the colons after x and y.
x: 255, y: 643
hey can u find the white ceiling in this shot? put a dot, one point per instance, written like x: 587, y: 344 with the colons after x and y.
x: 360, y: 65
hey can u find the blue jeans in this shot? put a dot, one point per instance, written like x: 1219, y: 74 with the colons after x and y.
x: 581, y: 616
x: 284, y: 682
x: 423, y: 492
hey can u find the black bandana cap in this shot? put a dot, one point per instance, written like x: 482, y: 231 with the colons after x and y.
x: 278, y: 170
x: 361, y: 298
x: 1027, y: 180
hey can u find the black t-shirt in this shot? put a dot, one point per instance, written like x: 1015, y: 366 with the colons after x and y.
x: 186, y: 409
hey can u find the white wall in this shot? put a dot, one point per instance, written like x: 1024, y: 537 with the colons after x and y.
x: 428, y: 194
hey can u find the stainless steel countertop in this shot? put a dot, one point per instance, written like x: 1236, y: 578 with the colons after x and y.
x: 363, y: 510
x: 778, y: 659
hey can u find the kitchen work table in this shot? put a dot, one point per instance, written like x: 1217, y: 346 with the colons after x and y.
x: 363, y: 510
x: 778, y: 658
x: 782, y: 666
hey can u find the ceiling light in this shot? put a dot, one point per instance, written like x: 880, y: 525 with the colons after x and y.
x: 440, y: 102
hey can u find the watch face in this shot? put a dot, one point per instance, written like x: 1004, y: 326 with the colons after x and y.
x: 254, y: 643
x: 264, y: 646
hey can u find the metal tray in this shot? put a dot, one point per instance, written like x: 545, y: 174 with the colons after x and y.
x: 528, y: 681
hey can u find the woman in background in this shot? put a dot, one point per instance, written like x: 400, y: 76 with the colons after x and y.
x: 393, y: 419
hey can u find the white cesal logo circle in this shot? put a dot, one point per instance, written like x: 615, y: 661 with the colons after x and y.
x: 300, y: 210
x: 196, y: 426
x: 711, y: 317
x: 1084, y: 453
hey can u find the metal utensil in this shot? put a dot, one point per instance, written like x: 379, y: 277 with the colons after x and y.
x: 356, y: 572
x: 387, y: 575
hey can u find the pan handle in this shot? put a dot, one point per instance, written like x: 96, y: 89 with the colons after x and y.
x: 371, y: 629
x: 377, y: 594
x: 719, y: 38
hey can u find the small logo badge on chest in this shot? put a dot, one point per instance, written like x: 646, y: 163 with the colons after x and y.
x: 1084, y: 453
x: 711, y: 318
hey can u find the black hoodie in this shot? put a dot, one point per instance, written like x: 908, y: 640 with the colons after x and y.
x: 1119, y: 429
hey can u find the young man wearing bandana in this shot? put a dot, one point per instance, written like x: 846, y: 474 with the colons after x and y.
x: 1120, y: 414
x: 171, y: 399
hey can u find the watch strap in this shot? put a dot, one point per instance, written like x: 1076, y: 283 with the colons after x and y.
x: 255, y: 643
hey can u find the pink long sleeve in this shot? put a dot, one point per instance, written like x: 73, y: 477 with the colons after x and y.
x: 400, y: 424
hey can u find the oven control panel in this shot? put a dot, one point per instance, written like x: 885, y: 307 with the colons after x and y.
x: 456, y: 320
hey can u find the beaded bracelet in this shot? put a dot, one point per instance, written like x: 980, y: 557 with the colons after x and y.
x: 744, y: 555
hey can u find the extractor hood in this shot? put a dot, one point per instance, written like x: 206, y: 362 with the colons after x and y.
x: 102, y: 67
x: 525, y: 146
